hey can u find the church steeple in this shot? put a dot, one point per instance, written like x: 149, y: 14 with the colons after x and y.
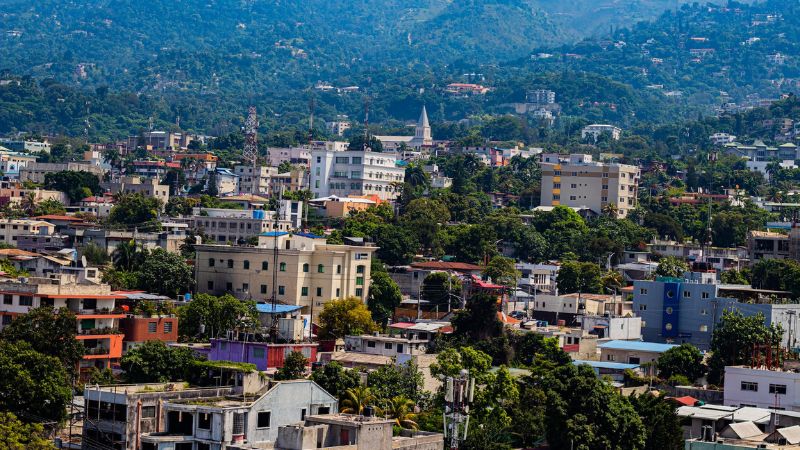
x: 422, y: 134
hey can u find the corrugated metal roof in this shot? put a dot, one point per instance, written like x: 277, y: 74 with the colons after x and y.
x: 267, y: 308
x: 741, y: 430
x: 605, y: 364
x: 791, y: 434
x: 637, y: 346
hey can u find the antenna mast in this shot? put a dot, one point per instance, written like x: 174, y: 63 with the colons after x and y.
x: 273, y: 331
x: 250, y: 153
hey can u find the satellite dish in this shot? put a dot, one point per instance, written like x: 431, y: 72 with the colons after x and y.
x: 83, y: 261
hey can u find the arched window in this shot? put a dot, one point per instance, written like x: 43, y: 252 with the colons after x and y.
x: 264, y: 265
x: 321, y: 268
x: 283, y: 267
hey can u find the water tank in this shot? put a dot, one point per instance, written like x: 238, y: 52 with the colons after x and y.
x: 369, y: 411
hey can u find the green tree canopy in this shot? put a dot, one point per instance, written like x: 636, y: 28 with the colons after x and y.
x: 77, y: 185
x: 50, y: 332
x: 155, y: 362
x: 335, y: 379
x: 396, y: 379
x: 662, y: 426
x: 684, y: 359
x: 165, y: 273
x: 733, y: 340
x: 207, y: 316
x: 294, y: 367
x: 503, y: 271
x: 575, y: 276
x: 135, y: 210
x: 343, y: 317
x: 671, y: 266
x: 478, y: 321
x: 441, y: 288
x: 384, y: 297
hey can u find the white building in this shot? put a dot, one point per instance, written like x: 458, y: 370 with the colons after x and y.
x: 581, y: 182
x: 235, y: 225
x: 596, y: 130
x: 722, y: 138
x: 385, y: 345
x: 338, y: 126
x: 422, y: 135
x: 762, y: 388
x: 301, y: 155
x: 355, y: 173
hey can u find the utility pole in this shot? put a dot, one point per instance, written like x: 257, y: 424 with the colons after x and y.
x: 458, y: 395
x: 250, y: 152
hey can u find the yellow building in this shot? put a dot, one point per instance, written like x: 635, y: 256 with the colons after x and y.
x: 308, y: 270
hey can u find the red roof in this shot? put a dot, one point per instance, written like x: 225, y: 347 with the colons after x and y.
x: 485, y: 284
x: 685, y: 400
x: 402, y: 325
x: 444, y: 265
x: 507, y: 319
x: 58, y: 217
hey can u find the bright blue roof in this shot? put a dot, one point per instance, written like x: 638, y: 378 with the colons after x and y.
x: 273, y: 233
x: 266, y: 308
x: 605, y: 364
x: 637, y: 346
x: 309, y: 235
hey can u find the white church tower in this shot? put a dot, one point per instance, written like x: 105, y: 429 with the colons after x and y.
x: 422, y: 135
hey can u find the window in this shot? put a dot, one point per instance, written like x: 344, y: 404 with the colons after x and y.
x: 399, y: 348
x: 305, y: 267
x: 687, y: 294
x: 360, y: 269
x: 749, y: 386
x: 303, y: 414
x: 669, y: 310
x: 359, y: 292
x: 246, y: 264
x: 7, y: 299
x: 387, y: 345
x: 25, y: 300
x: 342, y: 160
x: 167, y: 327
x: 304, y: 291
x: 359, y: 281
x: 704, y: 328
x: 703, y: 312
x: 210, y: 285
x: 204, y: 421
x: 282, y: 267
x: 339, y: 269
x: 152, y: 327
x: 264, y: 265
x: 371, y: 344
x: 572, y: 197
x: 263, y: 288
x: 705, y: 295
x: 230, y: 264
x: 281, y: 290
x: 210, y: 262
x: 6, y: 320
x: 148, y: 412
x: 245, y: 287
x: 610, y: 357
x: 668, y: 326
x: 319, y: 292
x: 320, y: 268
x: 258, y: 352
x: 228, y: 287
x: 778, y: 389
x: 338, y: 292
x: 573, y: 186
x: 643, y: 291
x: 642, y: 307
x: 264, y: 419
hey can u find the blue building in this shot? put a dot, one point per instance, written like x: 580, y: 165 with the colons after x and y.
x: 685, y: 310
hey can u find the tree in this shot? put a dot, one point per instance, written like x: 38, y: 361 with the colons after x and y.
x: 396, y: 245
x: 128, y: 255
x: 207, y: 316
x: 95, y: 255
x: 671, y: 266
x: 396, y: 379
x: 33, y: 384
x: 165, y: 273
x: 441, y: 288
x: 49, y: 332
x: 451, y: 361
x: 335, y: 379
x: 384, y: 297
x: 77, y: 185
x: 503, y: 271
x: 284, y: 167
x: 777, y: 275
x: 585, y: 412
x: 358, y: 143
x: 574, y: 276
x: 684, y: 359
x: 155, y: 362
x: 16, y: 435
x: 180, y: 206
x: 733, y: 340
x: 735, y: 276
x: 662, y: 426
x: 135, y: 210
x: 401, y: 409
x: 344, y: 317
x: 478, y: 321
x: 423, y: 217
x: 294, y: 367
x: 354, y: 400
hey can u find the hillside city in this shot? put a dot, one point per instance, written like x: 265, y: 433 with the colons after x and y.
x: 255, y: 230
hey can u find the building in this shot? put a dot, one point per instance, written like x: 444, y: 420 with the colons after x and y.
x: 565, y: 309
x: 12, y: 193
x: 720, y: 139
x: 97, y: 205
x: 722, y: 427
x: 148, y: 187
x: 12, y: 229
x: 338, y: 126
x: 720, y: 258
x: 238, y: 422
x: 391, y: 346
x: 594, y: 132
x: 762, y: 387
x: 225, y: 181
x: 758, y: 151
x: 466, y: 89
x: 579, y: 344
x: 301, y: 155
x: 537, y: 277
x: 632, y: 352
x: 353, y: 432
x: 35, y: 172
x: 613, y: 327
x: 541, y: 97
x: 334, y: 206
x: 254, y: 180
x: 266, y: 356
x: 422, y: 136
x: 25, y: 146
x: 94, y: 305
x: 170, y: 241
x: 239, y: 225
x: 356, y: 173
x: 580, y: 182
x: 11, y: 163
x: 772, y: 245
x: 140, y: 328
x: 309, y: 272
x: 686, y: 309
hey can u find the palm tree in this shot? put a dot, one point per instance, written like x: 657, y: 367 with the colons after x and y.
x: 401, y: 409
x: 127, y: 255
x: 354, y: 400
x: 28, y: 203
x: 610, y: 210
x: 415, y: 176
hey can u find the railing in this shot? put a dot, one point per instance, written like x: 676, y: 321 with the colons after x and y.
x: 99, y: 331
x: 97, y: 351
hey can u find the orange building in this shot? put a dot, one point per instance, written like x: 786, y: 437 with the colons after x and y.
x: 93, y: 304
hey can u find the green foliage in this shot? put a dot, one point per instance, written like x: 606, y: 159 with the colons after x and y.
x: 357, y: 142
x: 450, y: 362
x: 10, y: 269
x: 671, y: 266
x: 155, y: 362
x: 102, y: 377
x: 207, y: 316
x: 294, y: 367
x: 574, y: 276
x: 165, y: 273
x: 343, y: 317
x: 34, y: 385
x: 478, y: 321
x: 135, y: 210
x: 441, y: 288
x: 354, y: 400
x: 662, y: 425
x: 777, y: 274
x: 733, y: 340
x: 335, y: 379
x: 17, y: 435
x: 49, y: 206
x: 396, y: 245
x: 502, y: 270
x: 396, y: 379
x: 49, y: 332
x: 121, y: 280
x: 95, y: 255
x: 736, y: 276
x: 685, y: 360
x: 384, y: 297
x: 180, y: 206
x: 77, y: 185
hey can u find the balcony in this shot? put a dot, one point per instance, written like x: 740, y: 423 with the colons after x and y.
x: 104, y: 331
x: 109, y: 346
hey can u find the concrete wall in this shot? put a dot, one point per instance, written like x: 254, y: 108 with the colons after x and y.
x: 762, y: 398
